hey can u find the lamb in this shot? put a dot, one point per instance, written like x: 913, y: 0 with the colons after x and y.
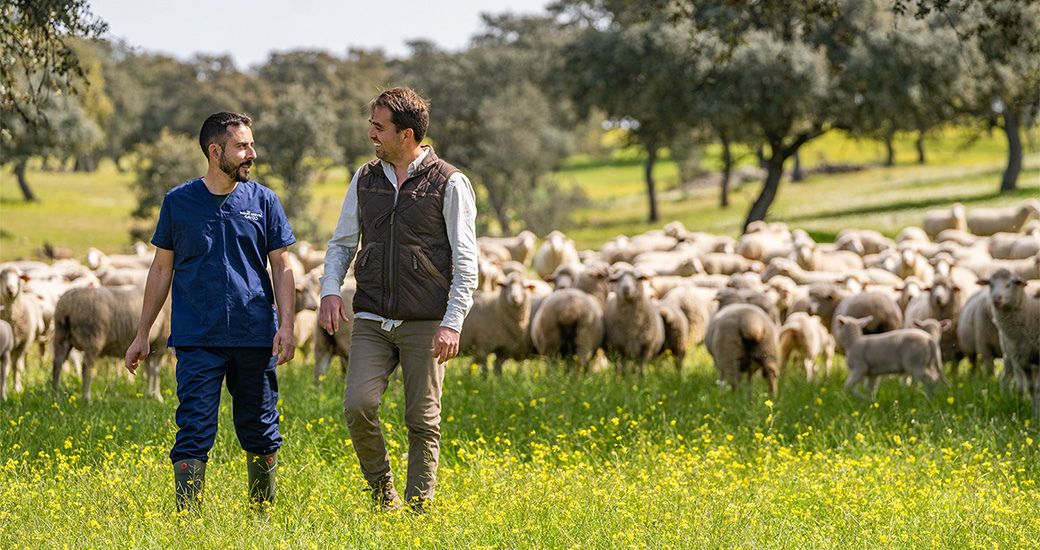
x: 498, y: 323
x: 327, y: 346
x: 634, y: 329
x: 676, y: 332
x: 23, y: 313
x: 101, y: 322
x: 977, y: 335
x: 806, y: 336
x: 764, y: 245
x: 696, y: 306
x: 910, y: 351
x: 557, y: 250
x: 520, y: 247
x: 937, y: 220
x: 1017, y: 316
x: 568, y: 323
x: 741, y: 338
x: 987, y: 221
x: 910, y: 288
x: 943, y: 300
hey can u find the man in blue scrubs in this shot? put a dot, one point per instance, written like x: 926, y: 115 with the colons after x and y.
x: 214, y: 238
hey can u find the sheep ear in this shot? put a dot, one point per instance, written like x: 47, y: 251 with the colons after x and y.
x: 842, y: 321
x: 918, y: 323
x: 24, y: 277
x: 1017, y: 280
x: 867, y: 319
x: 531, y: 286
x: 982, y: 282
x: 945, y: 324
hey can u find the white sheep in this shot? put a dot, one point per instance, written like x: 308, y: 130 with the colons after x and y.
x: 634, y: 329
x: 568, y: 323
x: 337, y: 344
x: 557, y: 250
x: 937, y: 220
x: 498, y: 323
x: 977, y: 335
x: 814, y: 258
x: 6, y: 346
x: 24, y: 314
x: 804, y: 336
x: 1017, y: 316
x: 676, y: 332
x: 741, y: 338
x: 695, y: 305
x: 520, y: 246
x: 716, y: 263
x: 101, y: 322
x: 987, y: 221
x: 943, y: 300
x: 911, y: 351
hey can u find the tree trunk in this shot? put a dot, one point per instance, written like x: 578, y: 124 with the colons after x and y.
x: 651, y: 190
x: 23, y: 184
x: 920, y: 147
x: 761, y: 156
x: 774, y: 171
x: 727, y: 172
x: 504, y: 224
x: 890, y: 151
x: 797, y: 174
x: 1014, y: 136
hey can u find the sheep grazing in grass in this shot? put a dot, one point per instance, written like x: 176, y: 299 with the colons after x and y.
x: 568, y: 323
x: 804, y: 336
x: 977, y: 335
x: 634, y: 329
x: 499, y: 323
x: 22, y: 311
x: 695, y: 305
x: 910, y: 351
x: 557, y: 250
x: 101, y: 322
x: 520, y: 246
x: 935, y: 221
x: 676, y: 332
x: 1017, y: 316
x: 741, y: 338
x: 988, y: 221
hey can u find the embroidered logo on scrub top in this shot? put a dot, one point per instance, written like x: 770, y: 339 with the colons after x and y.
x: 251, y: 216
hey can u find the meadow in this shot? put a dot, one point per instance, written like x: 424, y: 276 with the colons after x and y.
x: 540, y: 458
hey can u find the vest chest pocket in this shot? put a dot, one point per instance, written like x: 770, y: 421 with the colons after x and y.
x: 368, y: 268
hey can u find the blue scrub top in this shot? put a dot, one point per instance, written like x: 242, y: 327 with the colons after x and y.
x: 222, y: 293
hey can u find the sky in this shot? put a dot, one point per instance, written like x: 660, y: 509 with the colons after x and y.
x: 249, y: 31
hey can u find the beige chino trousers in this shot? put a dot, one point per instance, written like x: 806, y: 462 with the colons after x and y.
x: 374, y: 354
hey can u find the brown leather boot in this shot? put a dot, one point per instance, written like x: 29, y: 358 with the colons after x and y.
x: 385, y: 496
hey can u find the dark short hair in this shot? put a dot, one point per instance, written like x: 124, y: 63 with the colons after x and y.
x: 215, y: 129
x: 407, y: 110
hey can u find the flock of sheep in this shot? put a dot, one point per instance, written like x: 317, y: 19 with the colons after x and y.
x: 966, y: 284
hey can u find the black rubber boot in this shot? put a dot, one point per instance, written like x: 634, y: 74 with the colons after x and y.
x: 261, y: 477
x: 189, y: 478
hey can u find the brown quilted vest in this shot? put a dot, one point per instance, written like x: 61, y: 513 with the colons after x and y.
x: 403, y: 267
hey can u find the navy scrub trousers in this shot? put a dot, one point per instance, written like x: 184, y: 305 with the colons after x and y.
x: 251, y: 381
x: 223, y: 321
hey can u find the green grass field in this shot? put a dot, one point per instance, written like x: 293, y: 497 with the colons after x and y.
x: 540, y: 458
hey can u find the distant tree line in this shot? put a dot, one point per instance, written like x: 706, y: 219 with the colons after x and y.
x: 529, y: 91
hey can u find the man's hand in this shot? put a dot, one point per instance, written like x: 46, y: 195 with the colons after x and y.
x: 284, y: 344
x: 331, y: 312
x: 445, y: 344
x: 138, y: 350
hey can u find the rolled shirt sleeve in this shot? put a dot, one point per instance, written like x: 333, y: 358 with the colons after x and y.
x: 460, y: 214
x: 344, y: 242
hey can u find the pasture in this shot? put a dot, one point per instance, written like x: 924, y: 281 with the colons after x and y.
x: 539, y: 457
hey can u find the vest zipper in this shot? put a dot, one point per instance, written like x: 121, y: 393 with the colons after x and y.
x: 388, y: 292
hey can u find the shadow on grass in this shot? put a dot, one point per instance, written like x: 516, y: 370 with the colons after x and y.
x: 910, y: 204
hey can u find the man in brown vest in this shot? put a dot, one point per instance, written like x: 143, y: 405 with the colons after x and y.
x: 416, y: 271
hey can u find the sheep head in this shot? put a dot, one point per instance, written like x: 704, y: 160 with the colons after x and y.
x: 1005, y: 289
